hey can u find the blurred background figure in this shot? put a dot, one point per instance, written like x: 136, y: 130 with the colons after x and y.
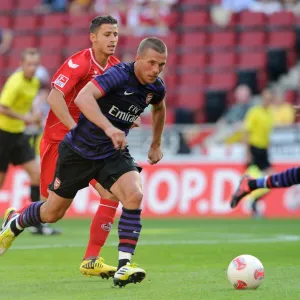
x: 6, y: 38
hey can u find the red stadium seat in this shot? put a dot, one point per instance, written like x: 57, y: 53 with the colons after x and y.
x: 26, y: 24
x: 6, y: 7
x: 27, y: 5
x: 193, y: 40
x: 222, y: 60
x: 5, y: 22
x: 13, y: 63
x: 80, y: 22
x: 196, y: 2
x: 193, y: 61
x: 282, y: 39
x: 195, y: 19
x: 250, y: 20
x: 52, y: 62
x: 252, y: 40
x: 77, y: 42
x: 190, y: 99
x: 51, y: 43
x: 22, y: 42
x: 222, y: 40
x: 221, y: 81
x: 192, y: 81
x: 54, y: 23
x: 283, y: 19
x: 252, y: 60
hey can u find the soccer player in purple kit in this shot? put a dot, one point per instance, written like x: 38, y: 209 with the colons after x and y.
x: 96, y: 149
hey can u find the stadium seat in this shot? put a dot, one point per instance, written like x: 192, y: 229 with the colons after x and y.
x: 192, y: 41
x: 222, y: 40
x: 25, y: 24
x: 5, y: 22
x: 221, y: 81
x: 13, y: 63
x: 281, y: 20
x: 51, y: 43
x: 282, y: 39
x: 222, y: 60
x: 22, y: 42
x: 192, y: 100
x: 52, y: 62
x: 196, y: 2
x: 79, y: 22
x: 77, y: 42
x: 252, y: 40
x: 252, y: 21
x: 193, y: 61
x: 27, y: 6
x: 53, y: 23
x: 192, y: 81
x: 195, y: 20
x: 252, y: 60
x: 6, y: 7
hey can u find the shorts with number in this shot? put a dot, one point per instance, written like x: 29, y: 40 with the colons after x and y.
x: 15, y: 148
x: 48, y: 159
x: 73, y: 172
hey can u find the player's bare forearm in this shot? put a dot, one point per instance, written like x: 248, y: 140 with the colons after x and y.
x: 86, y: 101
x: 4, y: 110
x: 158, y: 122
x: 59, y: 107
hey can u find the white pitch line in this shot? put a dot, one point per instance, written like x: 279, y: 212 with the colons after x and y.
x: 275, y: 239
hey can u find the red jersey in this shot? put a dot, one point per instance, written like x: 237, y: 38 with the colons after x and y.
x: 69, y: 79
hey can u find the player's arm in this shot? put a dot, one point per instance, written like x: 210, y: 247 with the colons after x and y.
x: 158, y: 122
x: 58, y: 105
x: 86, y: 101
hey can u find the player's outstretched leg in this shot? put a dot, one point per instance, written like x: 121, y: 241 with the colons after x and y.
x: 129, y: 229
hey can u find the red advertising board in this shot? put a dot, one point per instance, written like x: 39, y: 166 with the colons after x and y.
x: 173, y: 190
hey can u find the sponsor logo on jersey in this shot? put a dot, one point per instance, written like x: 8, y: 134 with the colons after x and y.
x: 56, y: 184
x: 128, y: 93
x: 149, y: 98
x: 72, y: 65
x: 106, y: 227
x: 61, y: 80
x: 124, y: 116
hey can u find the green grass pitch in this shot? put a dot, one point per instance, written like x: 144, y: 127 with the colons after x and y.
x: 184, y: 259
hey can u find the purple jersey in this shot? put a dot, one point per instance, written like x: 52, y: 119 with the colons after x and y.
x: 125, y: 98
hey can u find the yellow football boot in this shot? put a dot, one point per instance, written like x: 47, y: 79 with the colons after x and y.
x: 129, y: 273
x: 6, y: 235
x: 97, y: 267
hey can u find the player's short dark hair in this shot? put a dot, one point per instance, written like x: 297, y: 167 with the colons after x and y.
x: 152, y: 43
x: 30, y: 52
x: 98, y: 21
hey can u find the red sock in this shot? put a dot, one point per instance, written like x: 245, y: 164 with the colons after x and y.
x: 101, y: 226
x: 19, y: 211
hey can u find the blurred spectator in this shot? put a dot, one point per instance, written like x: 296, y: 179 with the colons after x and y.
x: 283, y: 112
x: 77, y: 7
x: 265, y: 6
x: 6, y: 37
x: 53, y: 6
x: 236, y: 5
x: 291, y: 5
x: 229, y: 127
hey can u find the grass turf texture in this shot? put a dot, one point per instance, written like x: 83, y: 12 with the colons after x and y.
x: 184, y: 259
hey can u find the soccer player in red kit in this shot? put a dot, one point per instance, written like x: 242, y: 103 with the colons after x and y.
x: 70, y: 78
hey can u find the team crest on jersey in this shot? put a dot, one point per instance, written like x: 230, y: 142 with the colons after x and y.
x: 149, y: 98
x: 56, y: 183
x: 61, y: 80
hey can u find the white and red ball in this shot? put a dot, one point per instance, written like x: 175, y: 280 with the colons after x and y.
x: 245, y: 272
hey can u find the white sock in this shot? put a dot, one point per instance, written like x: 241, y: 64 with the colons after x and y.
x: 125, y: 255
x: 18, y: 226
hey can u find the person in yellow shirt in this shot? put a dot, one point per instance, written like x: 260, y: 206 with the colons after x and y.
x: 258, y: 125
x: 283, y: 112
x: 16, y: 101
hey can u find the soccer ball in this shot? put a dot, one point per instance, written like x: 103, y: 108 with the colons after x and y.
x: 245, y: 272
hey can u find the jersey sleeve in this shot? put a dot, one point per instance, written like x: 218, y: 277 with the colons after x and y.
x: 111, y: 80
x: 161, y: 93
x: 10, y: 92
x: 70, y: 73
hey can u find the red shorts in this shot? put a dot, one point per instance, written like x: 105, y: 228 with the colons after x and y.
x: 48, y: 158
